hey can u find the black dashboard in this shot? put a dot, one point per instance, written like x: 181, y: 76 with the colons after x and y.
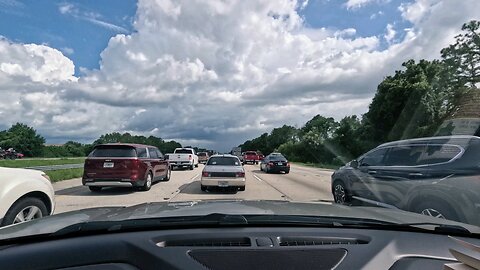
x: 236, y: 248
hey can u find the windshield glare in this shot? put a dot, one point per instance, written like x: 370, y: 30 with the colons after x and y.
x: 369, y: 108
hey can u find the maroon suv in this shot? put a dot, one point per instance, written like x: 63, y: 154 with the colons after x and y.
x: 124, y: 165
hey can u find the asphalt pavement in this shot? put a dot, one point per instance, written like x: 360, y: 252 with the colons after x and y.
x: 301, y: 184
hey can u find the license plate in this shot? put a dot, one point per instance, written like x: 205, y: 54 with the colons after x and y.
x: 280, y: 163
x: 223, y: 184
x: 108, y: 165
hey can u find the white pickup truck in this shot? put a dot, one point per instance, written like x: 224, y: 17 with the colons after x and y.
x: 183, y: 157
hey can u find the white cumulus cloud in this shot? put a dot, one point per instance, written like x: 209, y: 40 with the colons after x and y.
x: 215, y: 73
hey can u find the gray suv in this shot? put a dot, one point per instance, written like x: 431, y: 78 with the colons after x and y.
x: 436, y: 176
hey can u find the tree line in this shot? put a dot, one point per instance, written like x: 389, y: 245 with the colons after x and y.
x: 26, y: 140
x: 413, y: 102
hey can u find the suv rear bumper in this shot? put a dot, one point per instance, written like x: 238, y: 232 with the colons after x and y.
x: 111, y: 182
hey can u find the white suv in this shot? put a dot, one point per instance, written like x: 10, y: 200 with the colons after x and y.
x: 24, y: 195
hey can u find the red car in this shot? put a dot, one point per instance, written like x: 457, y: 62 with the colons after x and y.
x: 251, y: 157
x: 124, y: 165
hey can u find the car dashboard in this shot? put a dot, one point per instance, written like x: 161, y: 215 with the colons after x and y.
x: 236, y: 248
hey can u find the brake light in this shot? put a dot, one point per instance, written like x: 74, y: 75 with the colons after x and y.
x: 135, y: 163
x: 205, y: 174
x: 240, y: 174
x: 189, y: 157
x: 288, y: 164
x: 270, y: 163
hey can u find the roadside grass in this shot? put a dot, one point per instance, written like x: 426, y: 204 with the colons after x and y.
x: 318, y: 165
x: 22, y: 163
x: 65, y: 174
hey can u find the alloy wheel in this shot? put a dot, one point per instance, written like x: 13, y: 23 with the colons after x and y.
x: 339, y: 193
x: 432, y: 213
x: 28, y: 213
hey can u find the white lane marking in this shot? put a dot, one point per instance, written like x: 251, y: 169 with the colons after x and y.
x: 285, y: 196
x: 193, y: 178
x: 258, y: 178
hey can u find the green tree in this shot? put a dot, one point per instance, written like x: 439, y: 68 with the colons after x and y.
x: 463, y: 57
x: 22, y: 138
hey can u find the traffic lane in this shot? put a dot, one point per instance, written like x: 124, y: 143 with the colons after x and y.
x: 72, y: 195
x: 254, y: 190
x: 301, y: 184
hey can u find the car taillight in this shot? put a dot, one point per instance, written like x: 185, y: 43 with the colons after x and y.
x: 189, y: 157
x: 205, y: 174
x: 270, y: 163
x: 288, y: 164
x: 136, y: 163
x: 240, y: 174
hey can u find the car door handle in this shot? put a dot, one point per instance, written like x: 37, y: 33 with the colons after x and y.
x: 415, y: 174
x: 372, y: 171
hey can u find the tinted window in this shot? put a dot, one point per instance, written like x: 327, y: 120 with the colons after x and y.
x: 159, y: 154
x: 142, y: 152
x: 438, y: 154
x: 224, y: 161
x: 404, y: 155
x: 202, y: 154
x: 251, y: 153
x: 277, y: 158
x: 113, y: 152
x: 183, y: 151
x: 374, y: 158
x: 153, y: 153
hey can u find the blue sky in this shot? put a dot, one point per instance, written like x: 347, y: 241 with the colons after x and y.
x: 80, y: 29
x: 82, y: 40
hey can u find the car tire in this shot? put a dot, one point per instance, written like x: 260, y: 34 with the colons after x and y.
x: 196, y: 165
x: 147, y: 185
x: 192, y: 167
x: 241, y: 188
x: 436, y: 208
x: 95, y: 189
x: 340, y: 192
x: 287, y: 171
x: 203, y: 188
x: 168, y: 175
x: 24, y: 205
x: 267, y: 170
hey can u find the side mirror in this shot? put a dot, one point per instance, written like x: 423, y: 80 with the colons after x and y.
x: 354, y: 164
x: 166, y: 157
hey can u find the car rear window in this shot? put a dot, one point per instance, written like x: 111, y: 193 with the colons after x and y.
x: 438, y: 154
x: 113, y: 152
x: 183, y: 151
x: 251, y: 153
x: 224, y: 161
x: 416, y: 155
x: 202, y: 154
x: 277, y: 158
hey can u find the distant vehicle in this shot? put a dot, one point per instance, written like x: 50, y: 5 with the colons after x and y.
x: 260, y: 155
x: 251, y: 157
x: 10, y: 153
x: 224, y: 171
x: 237, y: 151
x: 124, y: 165
x: 203, y: 157
x: 275, y: 162
x: 20, y: 155
x: 437, y: 176
x: 30, y: 195
x: 183, y: 158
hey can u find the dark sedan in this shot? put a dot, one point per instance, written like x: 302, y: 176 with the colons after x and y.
x: 275, y: 162
x: 437, y: 176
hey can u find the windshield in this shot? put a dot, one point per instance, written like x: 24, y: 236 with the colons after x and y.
x: 365, y: 106
x: 223, y: 161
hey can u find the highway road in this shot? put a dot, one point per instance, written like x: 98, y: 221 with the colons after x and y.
x: 301, y: 184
